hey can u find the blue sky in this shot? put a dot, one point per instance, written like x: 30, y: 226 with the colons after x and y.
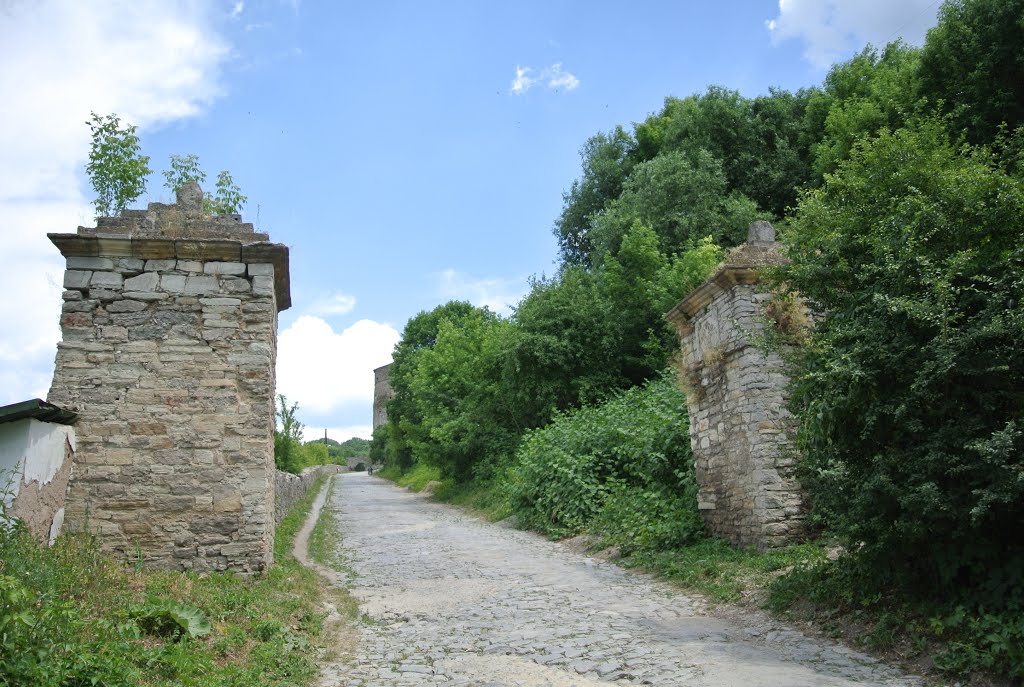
x: 408, y: 152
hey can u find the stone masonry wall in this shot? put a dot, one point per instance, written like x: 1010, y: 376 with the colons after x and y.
x: 740, y: 427
x: 168, y: 352
x: 290, y: 488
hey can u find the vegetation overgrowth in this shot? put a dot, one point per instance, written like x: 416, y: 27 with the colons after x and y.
x: 897, y: 187
x: 72, y: 615
x: 293, y: 455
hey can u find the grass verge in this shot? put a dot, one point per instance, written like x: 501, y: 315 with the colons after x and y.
x: 72, y: 615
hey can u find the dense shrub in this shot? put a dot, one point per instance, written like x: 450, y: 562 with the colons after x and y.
x: 624, y: 466
x: 911, y: 394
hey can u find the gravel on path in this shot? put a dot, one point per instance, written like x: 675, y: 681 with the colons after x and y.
x: 449, y: 599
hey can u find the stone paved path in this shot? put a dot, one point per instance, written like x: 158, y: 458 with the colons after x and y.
x: 456, y: 601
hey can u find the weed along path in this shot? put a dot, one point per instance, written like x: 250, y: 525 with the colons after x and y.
x: 448, y: 599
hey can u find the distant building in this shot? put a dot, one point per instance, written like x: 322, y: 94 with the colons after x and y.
x: 382, y: 393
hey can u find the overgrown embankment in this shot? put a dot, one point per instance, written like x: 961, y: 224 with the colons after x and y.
x: 71, y: 615
x: 897, y: 186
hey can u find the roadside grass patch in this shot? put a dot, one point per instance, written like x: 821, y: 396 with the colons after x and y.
x: 71, y: 614
x: 483, y: 499
x: 721, y: 572
x: 416, y: 478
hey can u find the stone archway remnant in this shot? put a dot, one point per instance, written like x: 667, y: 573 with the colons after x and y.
x: 169, y: 340
x: 740, y: 428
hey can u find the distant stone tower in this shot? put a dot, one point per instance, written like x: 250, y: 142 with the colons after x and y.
x: 382, y: 393
x: 169, y: 328
x: 739, y: 426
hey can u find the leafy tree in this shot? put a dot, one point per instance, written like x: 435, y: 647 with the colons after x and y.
x: 288, y: 437
x: 607, y: 162
x: 184, y: 168
x: 682, y: 198
x: 972, y: 63
x: 229, y: 199
x: 466, y: 429
x: 116, y: 168
x: 419, y: 334
x: 911, y: 394
x: 869, y: 92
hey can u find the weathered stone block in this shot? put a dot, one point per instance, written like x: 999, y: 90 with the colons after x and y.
x: 146, y: 295
x: 224, y: 268
x: 160, y: 265
x: 126, y: 306
x: 173, y: 283
x: 77, y: 279
x: 148, y: 281
x: 200, y: 284
x: 263, y: 286
x: 261, y: 269
x: 190, y: 266
x: 106, y: 280
x: 131, y: 265
x: 86, y: 263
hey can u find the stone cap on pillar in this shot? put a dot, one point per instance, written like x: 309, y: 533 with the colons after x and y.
x: 743, y: 266
x: 185, y: 219
x: 180, y: 231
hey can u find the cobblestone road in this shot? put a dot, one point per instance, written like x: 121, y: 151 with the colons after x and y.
x: 456, y: 601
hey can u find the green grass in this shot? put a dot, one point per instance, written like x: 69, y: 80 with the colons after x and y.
x: 415, y: 479
x: 68, y: 617
x: 721, y: 572
x: 481, y: 499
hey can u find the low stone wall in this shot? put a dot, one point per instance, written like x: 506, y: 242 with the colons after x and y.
x: 289, y: 488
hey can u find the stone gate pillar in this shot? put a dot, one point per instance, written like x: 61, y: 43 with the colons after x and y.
x: 740, y: 428
x: 169, y: 329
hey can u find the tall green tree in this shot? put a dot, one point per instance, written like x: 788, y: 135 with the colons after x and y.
x: 607, y: 162
x: 117, y: 169
x: 419, y: 335
x: 871, y: 91
x: 682, y: 198
x: 287, y: 437
x: 973, y: 64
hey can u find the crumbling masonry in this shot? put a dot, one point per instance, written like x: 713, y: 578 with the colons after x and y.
x: 740, y: 428
x: 169, y: 328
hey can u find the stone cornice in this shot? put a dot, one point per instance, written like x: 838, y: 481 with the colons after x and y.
x: 224, y: 250
x: 742, y: 268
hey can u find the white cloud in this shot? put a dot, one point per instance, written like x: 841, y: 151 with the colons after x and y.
x: 560, y: 79
x: 522, y: 83
x: 831, y: 28
x: 339, y: 434
x: 500, y: 295
x: 335, y: 304
x: 553, y: 77
x: 150, y: 61
x: 321, y: 369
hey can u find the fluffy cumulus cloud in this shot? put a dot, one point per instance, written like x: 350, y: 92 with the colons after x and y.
x: 150, y: 61
x: 554, y: 78
x: 323, y: 370
x: 830, y: 28
x: 500, y: 295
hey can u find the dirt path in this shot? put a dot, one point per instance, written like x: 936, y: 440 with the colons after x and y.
x: 448, y: 599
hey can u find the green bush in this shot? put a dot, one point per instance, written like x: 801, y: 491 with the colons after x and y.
x: 622, y: 467
x: 910, y: 393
